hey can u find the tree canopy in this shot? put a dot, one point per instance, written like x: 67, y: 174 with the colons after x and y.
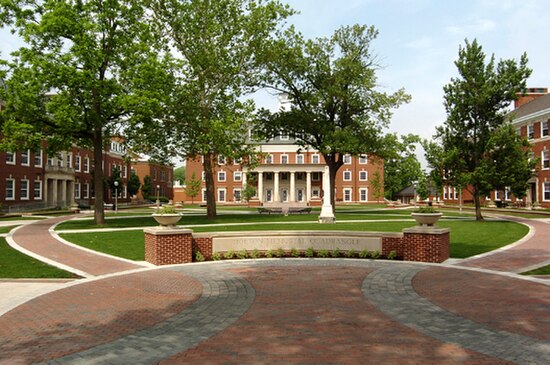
x: 401, y: 167
x: 337, y: 107
x: 87, y: 67
x: 475, y: 103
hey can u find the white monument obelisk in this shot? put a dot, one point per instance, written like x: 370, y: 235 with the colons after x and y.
x: 326, y: 215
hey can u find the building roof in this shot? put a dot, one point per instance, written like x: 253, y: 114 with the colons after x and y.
x: 532, y: 107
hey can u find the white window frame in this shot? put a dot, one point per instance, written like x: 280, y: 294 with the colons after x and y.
x: 69, y: 160
x: 363, y: 160
x: 299, y: 159
x: 77, y: 190
x: 315, y: 176
x: 237, y: 176
x: 12, y: 189
x: 24, y: 194
x: 363, y: 175
x: 507, y: 194
x: 77, y: 161
x: 220, y: 174
x: 347, y: 175
x: 124, y: 191
x: 363, y: 191
x: 34, y: 189
x: 222, y: 160
x: 497, y: 195
x: 284, y: 159
x: 237, y: 161
x: 203, y: 176
x: 347, y: 191
x: 86, y: 191
x: 220, y: 190
x: 284, y: 137
x: 269, y: 159
x: 235, y: 196
x: 203, y: 194
x: 87, y: 164
x: 315, y: 159
x: 26, y: 153
x: 13, y: 159
x: 545, y: 159
x: 347, y: 159
x: 125, y: 169
x: 315, y: 193
x: 546, y: 191
x: 543, y: 130
x: 531, y: 131
x: 38, y: 156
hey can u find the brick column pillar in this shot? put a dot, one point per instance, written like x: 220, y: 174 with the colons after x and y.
x: 426, y: 244
x: 168, y: 246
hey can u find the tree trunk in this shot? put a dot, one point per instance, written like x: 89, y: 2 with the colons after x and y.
x: 210, y: 193
x: 99, y: 208
x: 477, y: 202
x: 333, y: 167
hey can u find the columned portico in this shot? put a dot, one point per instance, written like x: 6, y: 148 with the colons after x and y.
x: 292, y: 187
x: 276, y: 196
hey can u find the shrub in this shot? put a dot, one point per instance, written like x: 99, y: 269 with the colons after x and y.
x: 427, y: 209
x: 392, y: 255
x: 350, y: 253
x: 255, y: 253
x: 269, y: 254
x: 365, y: 254
x: 309, y: 252
x: 166, y: 209
x: 199, y: 257
x: 322, y: 253
x: 280, y: 252
x: 294, y: 252
x: 229, y: 254
x: 375, y: 254
x: 216, y: 256
x: 336, y: 252
x: 242, y: 254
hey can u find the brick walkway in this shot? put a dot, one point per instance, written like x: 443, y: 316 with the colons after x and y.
x: 36, y: 238
x: 533, y: 252
x: 332, y: 311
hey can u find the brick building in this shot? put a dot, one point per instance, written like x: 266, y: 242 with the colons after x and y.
x: 161, y: 175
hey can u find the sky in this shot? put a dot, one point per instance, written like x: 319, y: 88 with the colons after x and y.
x: 418, y: 43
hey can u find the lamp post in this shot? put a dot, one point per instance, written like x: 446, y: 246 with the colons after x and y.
x: 116, y: 197
x: 158, y: 196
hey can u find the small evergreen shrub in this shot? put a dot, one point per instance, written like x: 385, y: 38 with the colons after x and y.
x: 269, y: 254
x: 294, y: 252
x: 350, y: 254
x: 216, y: 256
x: 255, y: 253
x: 280, y: 252
x: 375, y: 254
x: 336, y: 252
x: 322, y: 253
x: 309, y: 252
x: 229, y: 254
x: 199, y: 257
x: 365, y: 254
x: 392, y: 255
x: 242, y: 254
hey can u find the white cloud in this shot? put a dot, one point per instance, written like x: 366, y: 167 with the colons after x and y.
x: 472, y: 26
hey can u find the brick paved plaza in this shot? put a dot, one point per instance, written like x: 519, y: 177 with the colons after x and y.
x: 284, y: 311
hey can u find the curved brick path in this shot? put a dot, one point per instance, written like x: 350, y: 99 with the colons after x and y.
x: 35, y: 237
x: 333, y: 311
x: 533, y: 252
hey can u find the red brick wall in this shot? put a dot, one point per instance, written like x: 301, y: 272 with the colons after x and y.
x: 425, y: 247
x: 204, y: 246
x: 392, y: 244
x: 168, y: 249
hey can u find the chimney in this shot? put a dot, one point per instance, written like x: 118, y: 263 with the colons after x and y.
x: 530, y: 94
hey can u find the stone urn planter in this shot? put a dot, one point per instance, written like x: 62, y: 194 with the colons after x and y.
x: 167, y: 220
x: 426, y: 219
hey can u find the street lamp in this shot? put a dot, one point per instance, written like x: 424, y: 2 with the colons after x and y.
x: 116, y: 197
x: 158, y: 196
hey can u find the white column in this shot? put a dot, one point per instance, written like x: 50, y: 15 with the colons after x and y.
x: 260, y: 192
x: 292, y: 187
x: 64, y: 192
x: 243, y: 178
x: 326, y: 215
x: 54, y: 192
x: 308, y: 186
x: 276, y: 197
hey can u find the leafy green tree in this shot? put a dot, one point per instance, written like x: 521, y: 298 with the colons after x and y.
x: 336, y: 106
x: 193, y: 187
x: 422, y: 187
x: 377, y: 186
x: 179, y: 174
x: 147, y: 187
x: 401, y: 167
x: 115, y: 177
x: 435, y: 157
x: 217, y: 44
x: 475, y: 103
x: 87, y: 67
x: 133, y: 183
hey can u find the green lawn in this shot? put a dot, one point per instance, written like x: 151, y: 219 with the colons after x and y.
x: 545, y: 270
x: 467, y: 237
x: 6, y: 229
x: 14, y: 264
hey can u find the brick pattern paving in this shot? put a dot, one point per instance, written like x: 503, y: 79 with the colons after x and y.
x: 89, y: 314
x: 316, y: 314
x: 523, y: 307
x: 388, y: 286
x: 533, y: 252
x: 36, y: 238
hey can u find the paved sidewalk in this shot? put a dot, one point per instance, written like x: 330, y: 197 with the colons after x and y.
x: 291, y: 311
x: 35, y: 237
x: 531, y: 253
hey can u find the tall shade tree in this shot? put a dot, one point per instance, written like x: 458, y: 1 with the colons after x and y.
x: 475, y: 103
x: 337, y: 108
x: 401, y: 167
x: 86, y: 68
x: 217, y: 45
